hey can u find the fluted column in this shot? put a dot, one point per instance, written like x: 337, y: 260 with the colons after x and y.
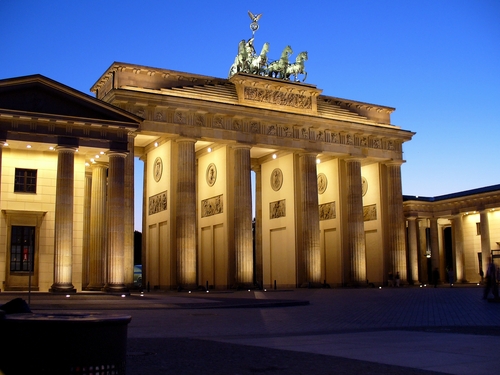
x: 129, y: 212
x: 144, y: 243
x: 186, y: 214
x: 63, y: 232
x: 311, y: 255
x: 259, y: 276
x: 86, y: 229
x: 243, y: 216
x: 395, y: 215
x: 97, y: 231
x: 485, y: 238
x: 355, y: 224
x: 116, y: 223
x: 434, y: 233
x: 458, y: 248
x: 2, y: 143
x: 413, y: 250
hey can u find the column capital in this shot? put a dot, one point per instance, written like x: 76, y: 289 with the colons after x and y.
x: 113, y: 153
x: 63, y: 148
x: 354, y: 158
x: 394, y: 163
x: 100, y: 164
x: 179, y: 140
x: 243, y: 146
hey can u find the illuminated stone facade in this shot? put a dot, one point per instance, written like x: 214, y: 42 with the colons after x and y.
x: 455, y: 233
x: 326, y: 204
x: 201, y: 140
x: 66, y: 220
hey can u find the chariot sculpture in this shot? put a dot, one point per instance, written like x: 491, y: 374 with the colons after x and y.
x: 248, y: 61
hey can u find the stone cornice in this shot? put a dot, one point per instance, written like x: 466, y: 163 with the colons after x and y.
x: 451, y: 207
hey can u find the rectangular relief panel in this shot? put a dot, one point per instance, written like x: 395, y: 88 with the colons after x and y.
x: 206, y: 267
x: 165, y: 256
x: 332, y: 258
x: 282, y: 261
x: 221, y: 257
x: 153, y: 266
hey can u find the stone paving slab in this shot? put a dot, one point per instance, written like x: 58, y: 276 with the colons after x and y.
x: 455, y: 354
x: 347, y: 331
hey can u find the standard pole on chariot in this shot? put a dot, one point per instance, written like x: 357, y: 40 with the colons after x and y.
x: 254, y: 26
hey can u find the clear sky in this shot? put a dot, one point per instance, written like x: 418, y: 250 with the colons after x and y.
x: 436, y: 61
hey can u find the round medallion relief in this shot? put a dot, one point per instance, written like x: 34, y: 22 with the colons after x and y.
x: 276, y: 179
x: 322, y: 183
x: 211, y: 174
x: 364, y: 186
x: 157, y: 169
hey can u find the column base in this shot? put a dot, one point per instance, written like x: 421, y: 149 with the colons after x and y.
x: 94, y: 287
x: 245, y: 286
x: 62, y: 288
x: 187, y: 287
x: 311, y: 285
x: 116, y: 289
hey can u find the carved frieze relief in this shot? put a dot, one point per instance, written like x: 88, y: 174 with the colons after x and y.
x: 277, y: 209
x: 158, y: 203
x: 327, y: 211
x: 280, y: 98
x: 255, y: 126
x: 370, y: 212
x: 212, y: 206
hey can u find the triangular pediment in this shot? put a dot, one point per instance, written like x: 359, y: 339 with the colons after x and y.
x: 43, y: 97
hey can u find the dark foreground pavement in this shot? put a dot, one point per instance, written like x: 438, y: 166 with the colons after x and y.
x: 304, y: 331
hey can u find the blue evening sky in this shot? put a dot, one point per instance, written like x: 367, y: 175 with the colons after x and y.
x: 436, y: 61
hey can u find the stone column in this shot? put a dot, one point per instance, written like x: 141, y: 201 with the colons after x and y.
x: 186, y: 214
x: 395, y: 216
x: 259, y: 276
x: 2, y: 143
x: 310, y: 251
x: 129, y: 213
x: 355, y: 223
x: 145, y: 234
x: 243, y: 248
x: 434, y: 233
x: 458, y: 248
x: 86, y: 229
x: 63, y: 231
x: 115, y: 274
x: 97, y: 232
x: 413, y: 250
x: 485, y: 239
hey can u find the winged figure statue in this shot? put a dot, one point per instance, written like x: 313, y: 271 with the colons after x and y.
x: 253, y: 17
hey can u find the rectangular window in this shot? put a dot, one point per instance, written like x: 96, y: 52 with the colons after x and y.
x: 22, y: 249
x: 25, y: 181
x: 478, y: 229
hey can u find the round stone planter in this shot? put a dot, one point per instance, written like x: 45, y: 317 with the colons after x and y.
x: 82, y: 344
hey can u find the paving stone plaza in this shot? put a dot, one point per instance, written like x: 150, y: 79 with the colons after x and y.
x: 411, y: 330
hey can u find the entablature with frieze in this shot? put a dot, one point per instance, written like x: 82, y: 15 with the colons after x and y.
x: 47, y: 129
x: 325, y: 134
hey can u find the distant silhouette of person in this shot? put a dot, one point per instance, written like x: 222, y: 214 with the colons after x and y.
x: 491, y: 280
x: 390, y: 279
x: 398, y: 279
x: 435, y: 277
